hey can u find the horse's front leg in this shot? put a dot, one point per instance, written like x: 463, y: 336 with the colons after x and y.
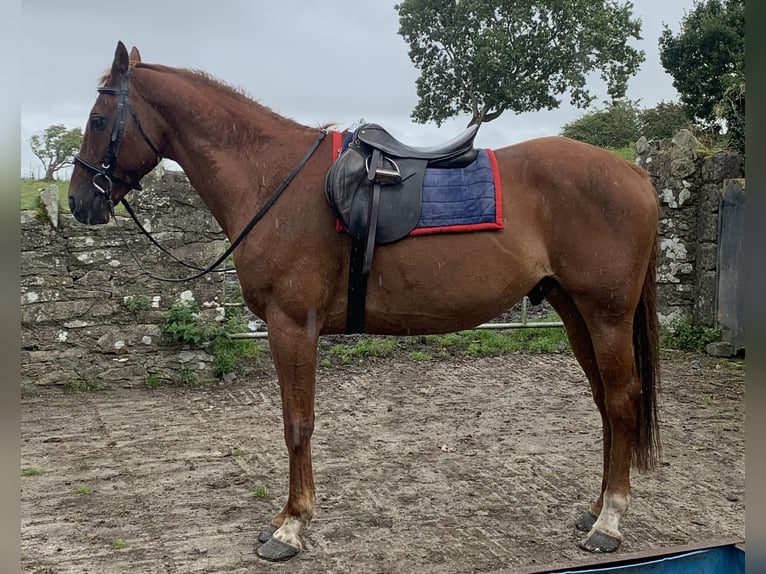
x: 294, y: 351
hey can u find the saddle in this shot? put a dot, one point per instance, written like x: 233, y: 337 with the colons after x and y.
x: 375, y: 188
x: 376, y: 185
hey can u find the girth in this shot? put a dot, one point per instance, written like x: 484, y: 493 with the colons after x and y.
x: 375, y: 188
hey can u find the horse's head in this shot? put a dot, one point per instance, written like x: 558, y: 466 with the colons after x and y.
x: 116, y: 151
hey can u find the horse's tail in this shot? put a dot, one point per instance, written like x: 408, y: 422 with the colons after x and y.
x: 646, y: 351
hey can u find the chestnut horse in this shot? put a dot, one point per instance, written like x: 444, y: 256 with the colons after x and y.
x: 580, y: 227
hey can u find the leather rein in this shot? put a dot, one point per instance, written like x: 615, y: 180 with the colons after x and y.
x: 105, y: 173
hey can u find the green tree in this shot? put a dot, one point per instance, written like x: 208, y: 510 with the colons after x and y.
x: 615, y: 126
x: 483, y: 57
x: 707, y: 62
x: 622, y: 123
x: 56, y: 148
x: 731, y: 108
x: 662, y: 121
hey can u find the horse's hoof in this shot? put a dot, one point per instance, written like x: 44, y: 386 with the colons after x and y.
x: 266, y: 534
x: 600, y: 542
x: 584, y: 522
x: 276, y: 551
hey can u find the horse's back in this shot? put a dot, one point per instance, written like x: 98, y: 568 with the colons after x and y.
x: 562, y: 161
x: 569, y: 180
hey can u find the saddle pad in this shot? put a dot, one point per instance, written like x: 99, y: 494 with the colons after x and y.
x: 464, y: 199
x: 454, y: 200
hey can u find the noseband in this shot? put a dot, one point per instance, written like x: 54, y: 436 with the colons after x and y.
x: 105, y: 172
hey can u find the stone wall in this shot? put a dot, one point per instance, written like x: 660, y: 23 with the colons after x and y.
x: 689, y: 183
x: 81, y: 287
x: 88, y: 314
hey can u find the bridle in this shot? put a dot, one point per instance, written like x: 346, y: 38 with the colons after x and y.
x: 105, y: 172
x: 107, y: 168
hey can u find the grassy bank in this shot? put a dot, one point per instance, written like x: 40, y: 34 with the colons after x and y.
x: 29, y: 193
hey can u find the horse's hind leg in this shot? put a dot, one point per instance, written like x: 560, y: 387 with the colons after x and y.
x: 613, y: 345
x: 603, y: 344
x: 294, y: 352
x: 579, y: 339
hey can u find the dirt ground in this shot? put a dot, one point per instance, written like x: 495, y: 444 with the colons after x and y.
x: 447, y: 466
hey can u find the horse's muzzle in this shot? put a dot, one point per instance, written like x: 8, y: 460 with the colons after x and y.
x: 94, y: 211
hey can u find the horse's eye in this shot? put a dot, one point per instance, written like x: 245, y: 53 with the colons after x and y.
x: 98, y: 123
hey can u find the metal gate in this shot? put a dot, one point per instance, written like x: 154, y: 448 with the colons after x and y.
x: 730, y: 288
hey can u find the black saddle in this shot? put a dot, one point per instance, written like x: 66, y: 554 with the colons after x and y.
x: 376, y: 185
x: 458, y: 151
x: 375, y: 189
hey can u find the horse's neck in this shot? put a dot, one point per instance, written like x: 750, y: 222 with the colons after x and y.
x: 233, y: 151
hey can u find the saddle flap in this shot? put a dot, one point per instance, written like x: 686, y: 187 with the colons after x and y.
x: 349, y: 192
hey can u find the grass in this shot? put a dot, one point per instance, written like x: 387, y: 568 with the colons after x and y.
x: 261, y: 491
x: 365, y: 347
x: 118, y: 543
x: 186, y: 377
x: 31, y: 472
x: 487, y: 343
x: 30, y: 198
x: 153, y: 381
x: 84, y: 489
x: 420, y: 356
x: 229, y: 354
x: 624, y: 152
x: 479, y: 342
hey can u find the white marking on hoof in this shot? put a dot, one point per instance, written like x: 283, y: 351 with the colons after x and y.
x: 612, y: 511
x: 290, y: 532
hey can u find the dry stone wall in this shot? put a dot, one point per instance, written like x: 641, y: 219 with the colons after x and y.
x: 89, y: 316
x: 689, y: 184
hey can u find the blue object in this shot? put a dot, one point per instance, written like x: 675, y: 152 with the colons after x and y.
x: 464, y: 196
x: 727, y: 559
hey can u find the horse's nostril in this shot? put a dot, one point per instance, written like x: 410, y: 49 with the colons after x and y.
x: 71, y: 203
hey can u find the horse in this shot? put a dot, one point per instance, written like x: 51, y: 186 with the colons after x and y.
x: 580, y: 229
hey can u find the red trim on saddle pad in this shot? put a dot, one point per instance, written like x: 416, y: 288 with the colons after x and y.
x: 337, y: 142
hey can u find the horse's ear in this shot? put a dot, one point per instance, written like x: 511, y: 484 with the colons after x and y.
x: 135, y: 56
x: 121, y: 61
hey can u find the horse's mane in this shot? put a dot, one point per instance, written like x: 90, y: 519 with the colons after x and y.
x: 207, y: 80
x: 198, y: 76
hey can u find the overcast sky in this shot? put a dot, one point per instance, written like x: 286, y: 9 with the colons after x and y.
x: 311, y: 61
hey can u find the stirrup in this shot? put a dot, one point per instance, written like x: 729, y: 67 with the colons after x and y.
x: 382, y: 175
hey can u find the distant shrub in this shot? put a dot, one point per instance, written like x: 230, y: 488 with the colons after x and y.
x: 612, y: 127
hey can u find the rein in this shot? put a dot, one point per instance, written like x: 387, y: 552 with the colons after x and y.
x: 106, y: 171
x: 256, y: 218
